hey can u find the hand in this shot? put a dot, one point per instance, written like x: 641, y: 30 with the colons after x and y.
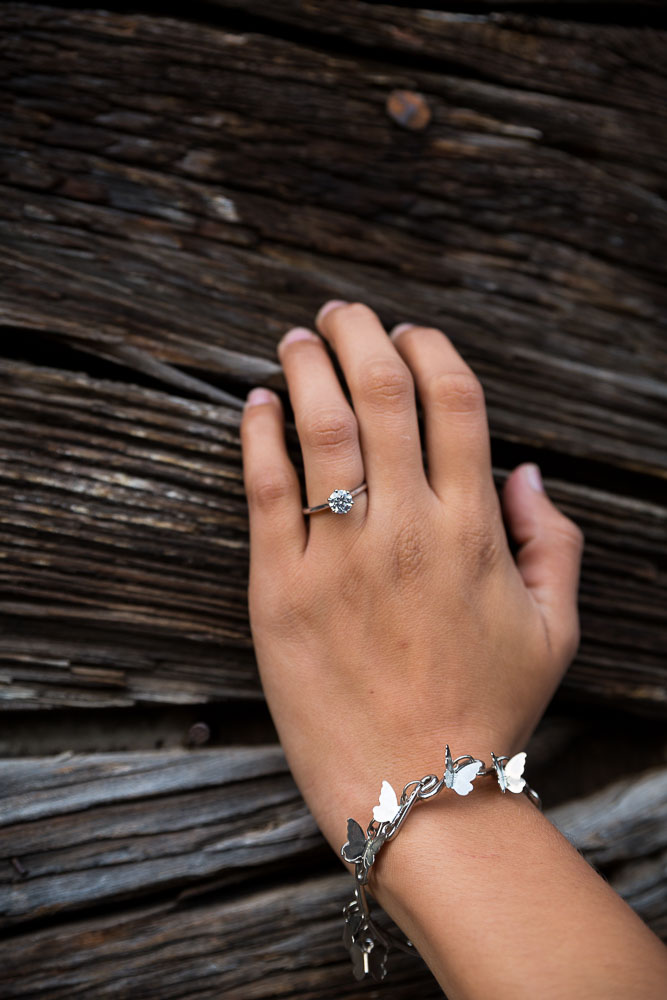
x: 383, y: 633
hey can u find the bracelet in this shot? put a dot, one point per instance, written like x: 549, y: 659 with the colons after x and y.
x: 367, y: 944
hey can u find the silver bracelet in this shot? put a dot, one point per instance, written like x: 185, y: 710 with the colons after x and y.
x: 367, y: 944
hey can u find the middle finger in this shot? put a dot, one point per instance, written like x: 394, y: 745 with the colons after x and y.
x: 383, y: 395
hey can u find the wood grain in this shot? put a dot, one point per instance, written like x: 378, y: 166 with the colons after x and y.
x: 98, y: 827
x: 106, y: 827
x: 124, y: 543
x: 167, y: 170
x: 280, y: 941
x: 175, y: 192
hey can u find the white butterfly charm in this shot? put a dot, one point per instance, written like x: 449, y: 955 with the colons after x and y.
x: 389, y: 804
x: 509, y: 773
x: 461, y: 778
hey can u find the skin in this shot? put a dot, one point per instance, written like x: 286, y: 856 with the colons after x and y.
x: 407, y: 623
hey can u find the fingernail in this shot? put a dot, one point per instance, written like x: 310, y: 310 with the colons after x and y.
x: 534, y: 477
x: 259, y: 396
x: 297, y: 333
x: 400, y: 328
x: 327, y: 307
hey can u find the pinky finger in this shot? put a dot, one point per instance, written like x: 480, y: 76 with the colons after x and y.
x: 277, y: 524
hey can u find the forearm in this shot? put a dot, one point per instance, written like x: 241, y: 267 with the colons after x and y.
x: 499, y: 904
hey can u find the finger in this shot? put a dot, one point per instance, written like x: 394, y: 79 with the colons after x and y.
x: 327, y: 429
x: 277, y: 527
x: 549, y: 554
x: 458, y: 449
x: 383, y: 395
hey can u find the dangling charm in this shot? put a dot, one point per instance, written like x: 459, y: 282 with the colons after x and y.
x: 364, y: 942
x: 369, y: 957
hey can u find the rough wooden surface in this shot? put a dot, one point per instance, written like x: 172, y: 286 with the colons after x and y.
x: 122, y: 506
x: 168, y: 170
x: 282, y: 941
x: 108, y: 826
x: 103, y: 826
x: 174, y: 193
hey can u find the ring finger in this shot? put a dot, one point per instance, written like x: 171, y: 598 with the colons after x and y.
x: 327, y: 428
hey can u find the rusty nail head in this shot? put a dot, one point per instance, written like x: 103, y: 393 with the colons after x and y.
x: 409, y: 109
x: 198, y: 734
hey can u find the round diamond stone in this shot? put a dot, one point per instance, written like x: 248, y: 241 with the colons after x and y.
x: 340, y: 501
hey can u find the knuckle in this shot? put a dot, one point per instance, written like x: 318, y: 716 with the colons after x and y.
x: 271, y: 489
x: 351, y: 312
x: 289, y: 614
x: 331, y: 429
x: 354, y: 309
x: 457, y: 392
x: 386, y: 383
x: 282, y: 604
x: 409, y: 552
x: 429, y: 331
x: 480, y: 544
x: 569, y: 532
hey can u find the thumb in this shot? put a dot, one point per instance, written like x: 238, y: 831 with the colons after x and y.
x: 549, y: 554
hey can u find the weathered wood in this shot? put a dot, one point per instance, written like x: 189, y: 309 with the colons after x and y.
x: 172, y: 197
x: 162, y: 821
x: 97, y: 827
x: 618, y: 823
x: 282, y: 941
x: 168, y: 170
x: 123, y: 534
x: 103, y: 827
x: 643, y: 884
x: 608, y: 65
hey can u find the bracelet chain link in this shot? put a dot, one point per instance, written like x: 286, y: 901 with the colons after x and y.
x: 367, y: 943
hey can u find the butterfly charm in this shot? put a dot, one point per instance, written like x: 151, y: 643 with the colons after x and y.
x: 389, y: 804
x: 510, y: 774
x: 357, y: 847
x: 462, y: 777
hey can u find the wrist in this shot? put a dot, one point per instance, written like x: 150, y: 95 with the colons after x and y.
x: 453, y: 773
x: 402, y: 879
x: 436, y: 789
x: 449, y: 830
x: 437, y: 873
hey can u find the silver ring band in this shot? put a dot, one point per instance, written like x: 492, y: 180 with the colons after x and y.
x: 340, y: 501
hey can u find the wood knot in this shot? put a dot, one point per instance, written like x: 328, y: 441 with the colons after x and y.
x: 408, y: 109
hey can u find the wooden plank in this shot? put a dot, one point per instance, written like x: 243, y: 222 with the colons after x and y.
x: 172, y: 197
x: 103, y: 827
x: 191, y: 178
x: 124, y: 543
x: 97, y: 827
x: 281, y: 942
x: 608, y: 63
x: 284, y: 941
x: 618, y: 823
x: 90, y: 827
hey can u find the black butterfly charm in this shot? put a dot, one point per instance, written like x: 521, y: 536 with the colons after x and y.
x: 357, y: 848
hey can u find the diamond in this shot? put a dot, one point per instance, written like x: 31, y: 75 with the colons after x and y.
x: 340, y: 501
